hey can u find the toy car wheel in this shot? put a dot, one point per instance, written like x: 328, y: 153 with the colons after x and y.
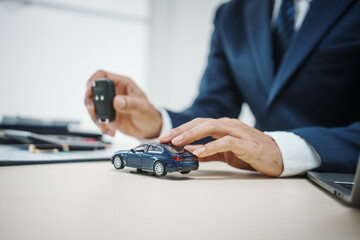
x: 118, y: 162
x: 159, y: 169
x: 184, y: 172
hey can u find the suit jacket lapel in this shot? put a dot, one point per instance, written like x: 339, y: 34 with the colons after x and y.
x: 322, y: 14
x: 257, y: 18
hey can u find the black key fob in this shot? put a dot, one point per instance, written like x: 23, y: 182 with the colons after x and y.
x: 103, y: 93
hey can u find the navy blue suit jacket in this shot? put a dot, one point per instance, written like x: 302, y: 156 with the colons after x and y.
x: 316, y: 91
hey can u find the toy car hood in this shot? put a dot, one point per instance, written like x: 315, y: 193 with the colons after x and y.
x: 121, y: 151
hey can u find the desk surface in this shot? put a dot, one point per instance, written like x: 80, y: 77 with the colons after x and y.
x: 95, y: 201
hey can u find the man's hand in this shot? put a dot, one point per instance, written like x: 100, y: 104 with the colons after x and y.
x: 236, y: 143
x: 135, y: 115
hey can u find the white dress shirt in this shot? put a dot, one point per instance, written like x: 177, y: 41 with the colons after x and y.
x: 298, y: 156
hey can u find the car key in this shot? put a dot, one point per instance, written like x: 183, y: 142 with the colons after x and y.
x: 103, y: 93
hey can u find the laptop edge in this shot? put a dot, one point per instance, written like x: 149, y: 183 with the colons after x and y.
x: 328, y: 182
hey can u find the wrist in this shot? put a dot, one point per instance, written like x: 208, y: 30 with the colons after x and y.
x: 271, y: 158
x: 155, y: 125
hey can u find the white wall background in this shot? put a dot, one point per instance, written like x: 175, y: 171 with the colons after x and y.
x: 179, y: 46
x: 49, y: 48
x: 180, y: 38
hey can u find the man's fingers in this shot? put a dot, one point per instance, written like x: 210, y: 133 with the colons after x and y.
x: 88, y: 96
x: 120, y: 82
x: 88, y: 92
x: 167, y: 137
x: 224, y: 144
x: 212, y: 158
x: 105, y: 128
x: 198, y: 129
x: 210, y: 128
x: 128, y: 104
x: 191, y: 135
x: 215, y: 157
x: 90, y: 104
x: 97, y: 75
x: 201, y: 127
x: 227, y: 149
x: 192, y: 148
x: 226, y: 156
x: 91, y: 109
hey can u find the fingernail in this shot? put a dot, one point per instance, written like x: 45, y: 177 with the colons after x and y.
x: 178, y: 138
x: 121, y: 102
x: 165, y: 135
x: 199, y: 151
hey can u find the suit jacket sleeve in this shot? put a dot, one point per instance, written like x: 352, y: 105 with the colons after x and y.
x: 217, y: 97
x: 338, y: 148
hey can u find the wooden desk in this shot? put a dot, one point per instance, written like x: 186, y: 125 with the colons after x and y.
x: 95, y: 201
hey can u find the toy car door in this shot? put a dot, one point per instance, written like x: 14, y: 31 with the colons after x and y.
x: 150, y: 156
x: 135, y: 155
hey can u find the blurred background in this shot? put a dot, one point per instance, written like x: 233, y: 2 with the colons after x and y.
x: 49, y: 49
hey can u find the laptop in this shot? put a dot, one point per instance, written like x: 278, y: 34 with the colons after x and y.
x: 342, y: 185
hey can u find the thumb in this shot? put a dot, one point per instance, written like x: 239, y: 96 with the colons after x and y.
x: 127, y: 104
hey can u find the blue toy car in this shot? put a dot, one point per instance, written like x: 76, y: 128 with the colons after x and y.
x: 157, y: 157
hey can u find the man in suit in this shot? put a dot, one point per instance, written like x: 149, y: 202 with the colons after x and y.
x: 296, y: 63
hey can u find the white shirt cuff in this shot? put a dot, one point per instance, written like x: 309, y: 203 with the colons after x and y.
x: 166, y: 120
x: 166, y: 125
x: 298, y: 155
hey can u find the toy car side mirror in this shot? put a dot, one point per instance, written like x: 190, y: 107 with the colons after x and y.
x: 132, y: 150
